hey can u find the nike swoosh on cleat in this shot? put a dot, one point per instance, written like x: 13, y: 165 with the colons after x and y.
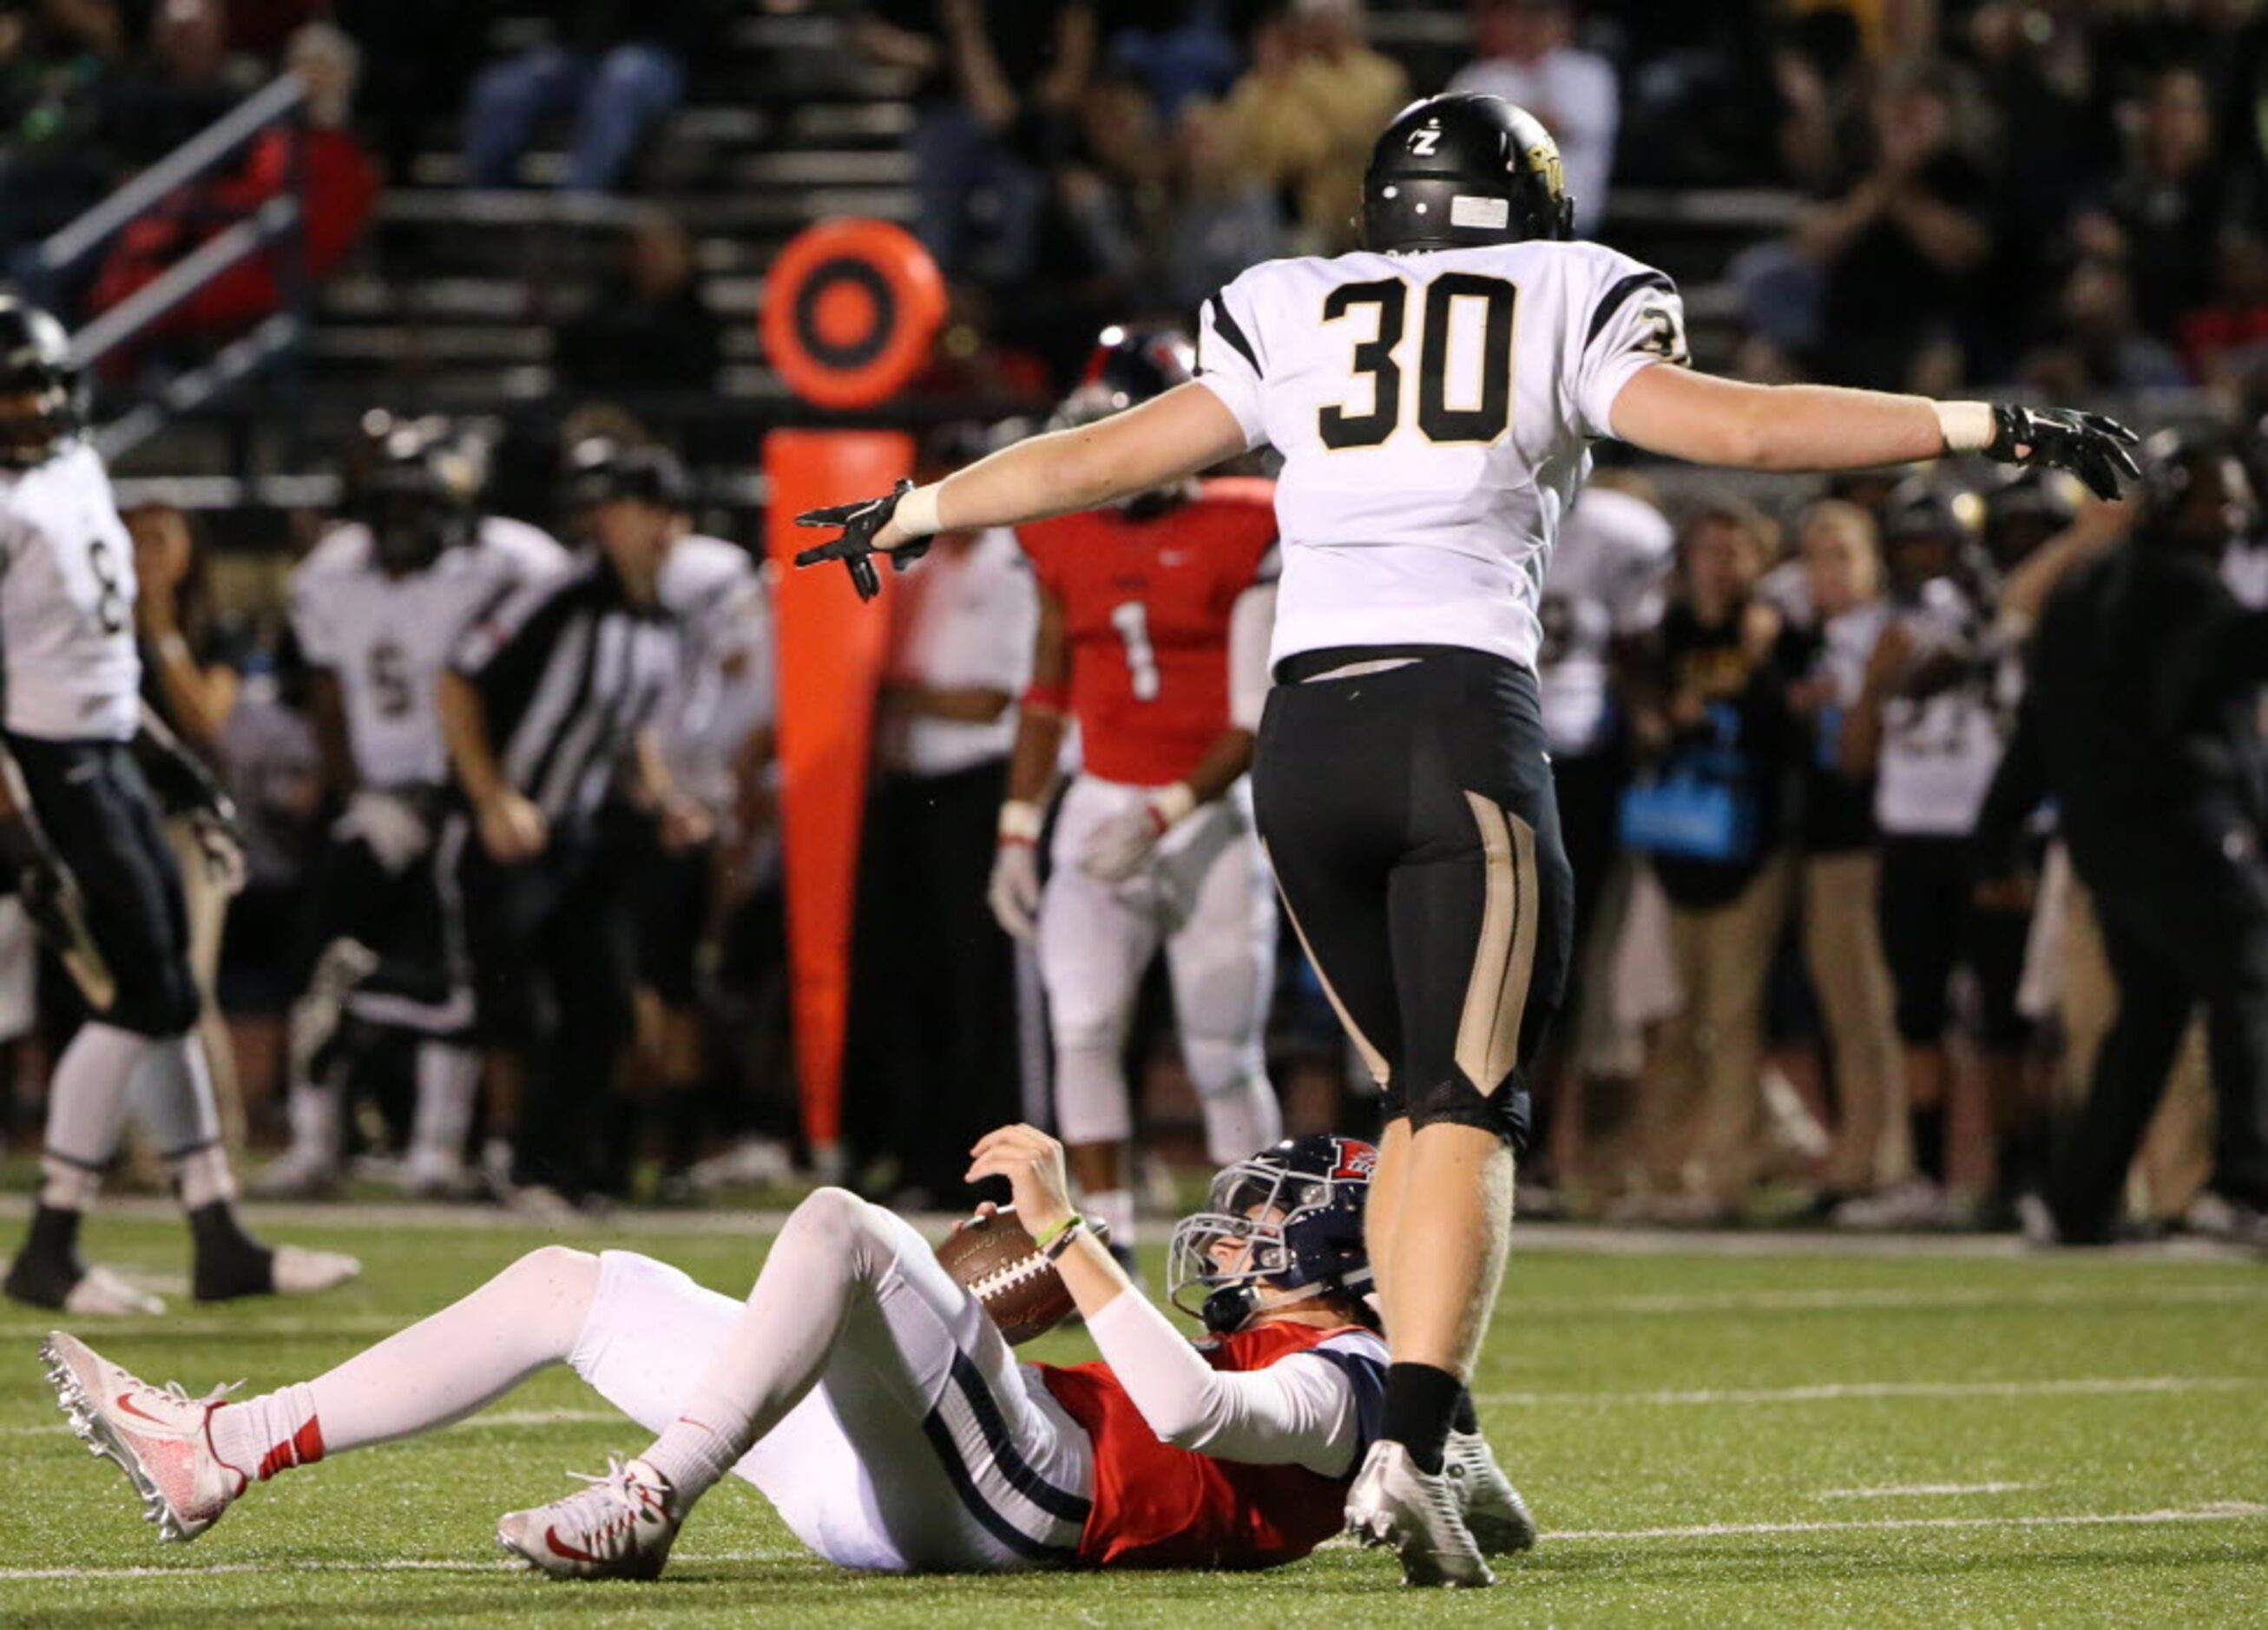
x: 561, y: 1548
x: 126, y: 1402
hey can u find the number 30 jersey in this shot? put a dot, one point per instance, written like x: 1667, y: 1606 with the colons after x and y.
x: 1146, y: 606
x: 67, y: 604
x: 1435, y: 413
x: 386, y: 639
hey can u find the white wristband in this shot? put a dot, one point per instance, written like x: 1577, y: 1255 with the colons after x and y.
x: 1020, y: 821
x: 1171, y: 804
x: 916, y: 513
x: 1967, y: 426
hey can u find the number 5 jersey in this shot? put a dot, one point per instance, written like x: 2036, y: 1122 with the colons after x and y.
x: 1435, y: 413
x: 386, y: 637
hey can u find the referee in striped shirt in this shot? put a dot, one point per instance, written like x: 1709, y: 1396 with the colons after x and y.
x: 545, y: 709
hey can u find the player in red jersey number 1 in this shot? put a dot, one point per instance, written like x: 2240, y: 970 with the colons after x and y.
x: 1154, y: 622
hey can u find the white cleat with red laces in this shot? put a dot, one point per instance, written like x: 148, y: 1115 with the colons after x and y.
x: 621, y: 1526
x: 157, y: 1436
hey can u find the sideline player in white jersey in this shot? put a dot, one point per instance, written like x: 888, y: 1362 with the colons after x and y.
x: 376, y: 606
x: 81, y: 832
x: 1434, y: 397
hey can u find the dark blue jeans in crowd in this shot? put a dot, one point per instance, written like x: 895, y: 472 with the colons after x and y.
x: 614, y: 99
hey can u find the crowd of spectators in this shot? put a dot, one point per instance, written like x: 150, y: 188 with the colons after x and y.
x: 1789, y: 983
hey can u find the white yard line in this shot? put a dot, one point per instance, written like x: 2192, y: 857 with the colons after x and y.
x: 1908, y: 1491
x: 2218, y: 1511
x: 1835, y: 1392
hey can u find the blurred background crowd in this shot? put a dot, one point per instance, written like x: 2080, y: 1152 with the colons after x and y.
x: 543, y: 223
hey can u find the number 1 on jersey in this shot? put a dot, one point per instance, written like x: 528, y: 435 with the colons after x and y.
x: 1131, y: 619
x: 1483, y: 419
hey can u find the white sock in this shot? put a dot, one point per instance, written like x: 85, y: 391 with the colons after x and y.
x: 834, y: 1245
x: 66, y: 1187
x: 316, y: 1124
x: 1241, y: 1119
x: 201, y: 1177
x: 272, y: 1433
x: 448, y: 1079
x: 1116, y: 1207
x: 440, y: 1369
x: 86, y: 1104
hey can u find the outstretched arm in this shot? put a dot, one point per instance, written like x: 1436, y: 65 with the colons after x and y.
x: 1706, y: 420
x: 1165, y: 440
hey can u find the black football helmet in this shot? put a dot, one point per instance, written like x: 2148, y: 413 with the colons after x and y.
x: 1128, y: 366
x: 1455, y: 171
x: 1294, y: 1213
x: 35, y: 363
x: 417, y: 484
x: 601, y: 470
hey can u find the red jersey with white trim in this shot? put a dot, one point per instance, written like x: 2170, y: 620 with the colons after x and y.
x: 1158, y: 1506
x: 1146, y: 607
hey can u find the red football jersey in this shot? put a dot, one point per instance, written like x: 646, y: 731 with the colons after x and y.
x: 1146, y: 608
x: 1157, y: 1505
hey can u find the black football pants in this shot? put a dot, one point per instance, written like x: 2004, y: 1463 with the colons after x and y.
x: 1405, y: 799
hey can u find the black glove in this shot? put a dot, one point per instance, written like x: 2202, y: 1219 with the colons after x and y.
x: 183, y: 783
x: 52, y: 900
x: 2090, y: 445
x: 855, y: 549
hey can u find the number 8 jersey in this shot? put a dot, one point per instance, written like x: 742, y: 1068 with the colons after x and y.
x: 1435, y: 412
x: 1146, y: 609
x: 67, y: 604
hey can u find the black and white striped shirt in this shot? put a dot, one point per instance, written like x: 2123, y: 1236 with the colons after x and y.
x: 569, y: 671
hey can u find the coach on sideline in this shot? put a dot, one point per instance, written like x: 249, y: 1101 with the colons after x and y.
x: 2140, y: 719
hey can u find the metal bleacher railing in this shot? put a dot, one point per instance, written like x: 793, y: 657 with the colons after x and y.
x: 278, y: 225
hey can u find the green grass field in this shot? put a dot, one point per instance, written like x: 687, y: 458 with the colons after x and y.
x: 1768, y: 1435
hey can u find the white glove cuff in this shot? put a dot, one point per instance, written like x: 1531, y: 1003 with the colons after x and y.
x: 1967, y: 426
x: 1020, y: 821
x: 1173, y: 804
x: 915, y: 514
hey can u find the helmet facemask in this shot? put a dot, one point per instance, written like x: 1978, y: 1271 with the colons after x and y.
x: 1268, y: 1227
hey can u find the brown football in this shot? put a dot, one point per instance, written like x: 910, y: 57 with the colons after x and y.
x: 994, y: 1260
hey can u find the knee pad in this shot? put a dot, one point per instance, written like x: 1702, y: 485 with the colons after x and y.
x: 1453, y: 1101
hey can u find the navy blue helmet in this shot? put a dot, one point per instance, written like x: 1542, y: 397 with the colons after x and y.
x: 1291, y: 1218
x: 601, y: 470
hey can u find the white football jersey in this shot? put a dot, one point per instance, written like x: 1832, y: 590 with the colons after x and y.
x: 1605, y: 581
x: 723, y: 687
x: 1940, y: 753
x: 67, y: 602
x: 386, y: 639
x: 1435, y: 413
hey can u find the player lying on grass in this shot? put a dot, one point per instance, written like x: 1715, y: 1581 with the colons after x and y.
x: 872, y: 1401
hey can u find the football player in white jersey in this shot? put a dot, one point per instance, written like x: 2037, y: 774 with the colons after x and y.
x: 81, y: 830
x: 377, y: 608
x: 1434, y: 397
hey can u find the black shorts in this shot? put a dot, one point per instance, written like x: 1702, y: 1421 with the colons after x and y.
x: 98, y: 811
x: 674, y: 897
x: 1410, y: 817
x: 1931, y: 925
